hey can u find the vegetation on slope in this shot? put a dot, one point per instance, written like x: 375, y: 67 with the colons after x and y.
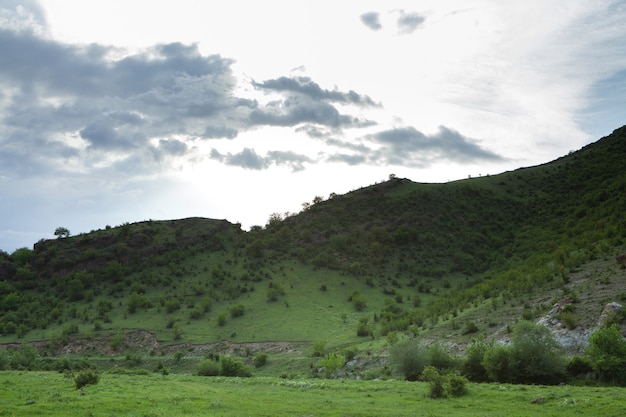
x: 390, y: 258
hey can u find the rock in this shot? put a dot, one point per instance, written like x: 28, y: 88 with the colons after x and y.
x: 609, y: 311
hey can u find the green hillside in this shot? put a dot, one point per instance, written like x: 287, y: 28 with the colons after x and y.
x: 430, y: 259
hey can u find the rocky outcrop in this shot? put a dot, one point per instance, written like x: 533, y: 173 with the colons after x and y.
x: 608, y: 313
x: 577, y: 339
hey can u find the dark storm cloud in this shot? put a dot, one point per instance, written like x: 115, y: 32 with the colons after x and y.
x: 371, y: 20
x: 410, y: 146
x: 249, y: 159
x: 306, y: 86
x: 408, y: 22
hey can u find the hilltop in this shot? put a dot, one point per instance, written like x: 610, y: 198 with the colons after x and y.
x: 444, y: 261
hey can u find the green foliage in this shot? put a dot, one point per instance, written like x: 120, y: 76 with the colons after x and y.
x: 435, y: 382
x: 359, y: 302
x: 578, y: 366
x: 274, y: 291
x: 260, y: 359
x: 607, y: 354
x: 117, y: 342
x: 231, y: 366
x: 332, y: 362
x: 319, y: 348
x: 497, y: 363
x: 24, y: 358
x: 208, y: 367
x: 439, y: 358
x: 221, y: 319
x: 237, y: 310
x: 533, y: 356
x: 409, y: 358
x: 61, y: 232
x: 86, y: 377
x: 472, y: 366
x: 536, y: 357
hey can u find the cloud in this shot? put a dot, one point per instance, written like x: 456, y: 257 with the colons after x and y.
x: 371, y: 20
x: 305, y: 86
x: 409, y: 22
x: 249, y: 159
x: 408, y: 146
x: 75, y: 107
x: 294, y: 111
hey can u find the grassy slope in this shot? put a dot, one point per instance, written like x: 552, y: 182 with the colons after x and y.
x: 451, y: 249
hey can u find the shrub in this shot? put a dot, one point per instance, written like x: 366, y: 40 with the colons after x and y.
x: 439, y: 358
x: 359, y: 302
x: 319, y: 348
x: 456, y: 385
x: 86, y: 377
x: 260, y: 359
x: 237, y: 310
x: 435, y: 382
x: 497, y: 363
x: 409, y: 358
x: 472, y: 366
x: 470, y: 328
x: 607, y: 354
x: 117, y: 341
x: 24, y: 358
x: 208, y: 367
x: 221, y: 319
x: 332, y: 362
x: 578, y: 366
x: 231, y: 366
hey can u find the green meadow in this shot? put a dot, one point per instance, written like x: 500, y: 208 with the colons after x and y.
x: 53, y: 394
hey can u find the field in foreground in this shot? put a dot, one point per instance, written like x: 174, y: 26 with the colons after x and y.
x: 52, y: 394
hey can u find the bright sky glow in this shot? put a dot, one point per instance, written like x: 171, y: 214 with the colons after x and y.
x: 124, y: 110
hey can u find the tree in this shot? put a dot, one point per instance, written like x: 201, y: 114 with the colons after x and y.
x: 533, y: 356
x: 536, y: 356
x: 409, y: 358
x: 607, y: 354
x: 61, y: 232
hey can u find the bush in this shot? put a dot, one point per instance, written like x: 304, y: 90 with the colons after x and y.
x: 473, y: 367
x: 24, y: 358
x: 221, y: 319
x: 578, y: 366
x: 607, y: 354
x: 260, y: 359
x: 409, y: 358
x: 441, y: 386
x: 456, y: 385
x: 231, y: 366
x: 208, y: 367
x: 332, y: 362
x: 319, y: 348
x: 439, y: 358
x: 435, y: 382
x: 86, y: 377
x: 237, y: 310
x: 497, y: 363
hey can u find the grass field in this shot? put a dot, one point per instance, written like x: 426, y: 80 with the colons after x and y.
x: 52, y: 394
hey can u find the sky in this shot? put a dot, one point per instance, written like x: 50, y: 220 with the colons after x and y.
x: 124, y: 110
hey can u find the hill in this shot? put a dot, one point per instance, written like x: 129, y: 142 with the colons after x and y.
x: 445, y: 261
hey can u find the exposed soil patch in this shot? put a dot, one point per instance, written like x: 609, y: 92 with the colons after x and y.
x: 145, y: 341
